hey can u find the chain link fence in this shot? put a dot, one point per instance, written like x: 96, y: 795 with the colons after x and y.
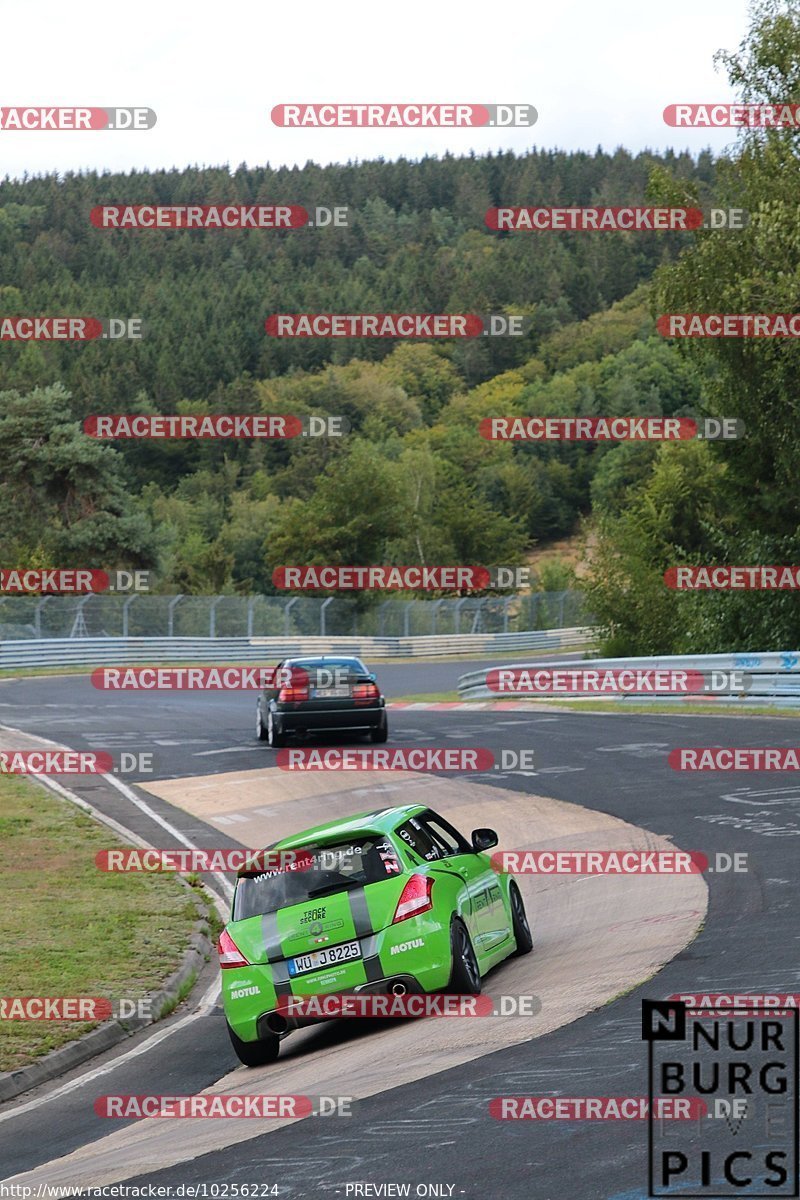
x: 100, y: 615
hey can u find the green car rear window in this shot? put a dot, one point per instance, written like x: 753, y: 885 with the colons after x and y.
x: 348, y: 864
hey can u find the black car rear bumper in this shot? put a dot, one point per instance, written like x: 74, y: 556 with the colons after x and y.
x: 318, y: 720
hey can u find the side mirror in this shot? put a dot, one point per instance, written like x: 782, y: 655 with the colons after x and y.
x: 483, y: 839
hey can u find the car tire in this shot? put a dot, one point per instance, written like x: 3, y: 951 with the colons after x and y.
x: 519, y: 922
x: 381, y: 732
x: 275, y: 735
x: 261, y: 729
x: 255, y: 1054
x: 465, y: 974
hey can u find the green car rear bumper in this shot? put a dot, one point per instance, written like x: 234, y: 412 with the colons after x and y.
x: 414, y: 954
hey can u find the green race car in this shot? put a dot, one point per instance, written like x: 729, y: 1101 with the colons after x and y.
x: 391, y: 901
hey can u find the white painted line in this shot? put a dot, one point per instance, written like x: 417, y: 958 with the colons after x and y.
x: 205, y: 1006
x: 225, y: 750
x: 180, y: 741
x: 556, y: 770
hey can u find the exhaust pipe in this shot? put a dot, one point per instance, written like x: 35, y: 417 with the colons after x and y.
x: 277, y: 1023
x: 399, y: 989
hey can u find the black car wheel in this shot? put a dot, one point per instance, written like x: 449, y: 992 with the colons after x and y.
x: 255, y: 1054
x: 381, y: 732
x: 465, y: 975
x: 275, y: 735
x: 519, y: 923
x: 261, y: 729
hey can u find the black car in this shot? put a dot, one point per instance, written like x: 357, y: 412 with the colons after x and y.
x: 321, y: 695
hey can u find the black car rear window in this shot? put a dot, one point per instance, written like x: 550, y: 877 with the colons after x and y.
x: 349, y: 864
x: 354, y: 665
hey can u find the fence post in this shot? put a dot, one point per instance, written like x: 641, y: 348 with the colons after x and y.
x: 37, y: 616
x: 286, y: 608
x: 463, y: 600
x: 250, y: 605
x: 561, y: 611
x: 79, y: 628
x: 212, y: 616
x: 505, y: 613
x: 323, y: 606
x: 171, y: 611
x: 125, y: 608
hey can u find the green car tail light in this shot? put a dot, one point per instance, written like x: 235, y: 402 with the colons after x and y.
x: 415, y: 898
x: 229, y: 953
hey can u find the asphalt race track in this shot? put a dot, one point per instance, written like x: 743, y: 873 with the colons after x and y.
x: 436, y: 1129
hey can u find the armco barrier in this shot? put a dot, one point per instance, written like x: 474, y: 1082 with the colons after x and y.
x: 109, y: 651
x: 772, y: 677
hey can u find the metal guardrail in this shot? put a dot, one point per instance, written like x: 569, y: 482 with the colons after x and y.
x: 772, y: 677
x: 60, y: 652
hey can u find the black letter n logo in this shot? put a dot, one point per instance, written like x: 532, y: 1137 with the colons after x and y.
x: 663, y: 1020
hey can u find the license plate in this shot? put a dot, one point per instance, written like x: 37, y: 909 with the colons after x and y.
x: 331, y: 693
x: 324, y: 958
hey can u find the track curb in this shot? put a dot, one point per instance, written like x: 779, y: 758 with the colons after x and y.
x: 110, y: 1033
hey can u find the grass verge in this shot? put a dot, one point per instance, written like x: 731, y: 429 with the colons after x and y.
x: 68, y: 929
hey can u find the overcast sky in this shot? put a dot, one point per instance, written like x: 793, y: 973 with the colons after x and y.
x: 598, y: 74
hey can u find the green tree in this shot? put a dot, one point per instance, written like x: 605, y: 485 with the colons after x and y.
x: 63, y: 499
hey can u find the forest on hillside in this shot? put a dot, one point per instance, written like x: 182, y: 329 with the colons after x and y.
x: 413, y: 482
